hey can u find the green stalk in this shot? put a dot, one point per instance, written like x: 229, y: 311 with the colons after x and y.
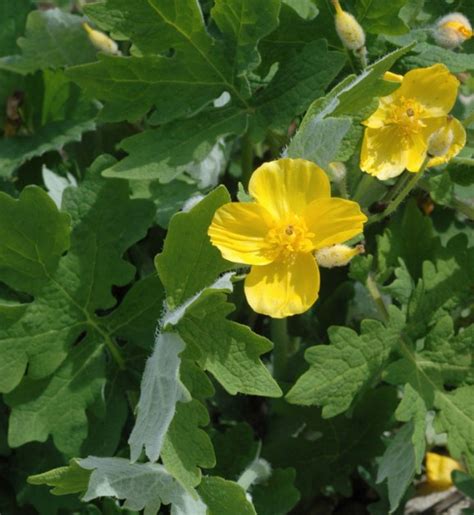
x: 281, y: 341
x: 402, y: 194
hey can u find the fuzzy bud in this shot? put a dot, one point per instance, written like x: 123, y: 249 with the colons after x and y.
x: 452, y: 30
x: 441, y: 140
x: 101, y: 41
x: 337, y: 255
x: 337, y: 171
x: 348, y: 29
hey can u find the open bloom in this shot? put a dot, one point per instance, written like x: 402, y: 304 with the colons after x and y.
x: 293, y: 216
x: 397, y: 135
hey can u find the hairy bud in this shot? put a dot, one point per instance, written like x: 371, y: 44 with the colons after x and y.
x: 101, y: 41
x: 337, y: 171
x: 452, y: 30
x: 441, y: 140
x: 337, y: 255
x: 349, y: 30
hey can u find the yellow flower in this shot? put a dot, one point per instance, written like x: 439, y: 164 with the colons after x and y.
x: 438, y: 471
x: 293, y: 215
x: 398, y: 132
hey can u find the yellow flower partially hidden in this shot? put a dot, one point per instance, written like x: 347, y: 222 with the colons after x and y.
x: 438, y: 471
x: 398, y: 133
x: 293, y: 215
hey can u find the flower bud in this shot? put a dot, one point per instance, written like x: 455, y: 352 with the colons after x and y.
x: 337, y: 171
x: 439, y: 469
x: 441, y: 140
x: 452, y: 30
x: 101, y: 41
x: 337, y: 255
x: 348, y: 29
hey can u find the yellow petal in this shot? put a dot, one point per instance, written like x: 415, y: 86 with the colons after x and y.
x: 416, y: 152
x: 457, y: 145
x: 435, y: 87
x: 287, y: 186
x: 333, y: 220
x: 239, y: 229
x: 383, y: 154
x: 283, y: 288
x: 438, y: 470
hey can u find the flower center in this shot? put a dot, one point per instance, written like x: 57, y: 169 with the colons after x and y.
x: 289, y: 237
x: 406, y: 114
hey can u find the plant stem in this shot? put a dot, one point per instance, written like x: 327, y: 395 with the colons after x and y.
x: 281, y: 341
x: 397, y: 187
x: 402, y: 194
x: 377, y: 297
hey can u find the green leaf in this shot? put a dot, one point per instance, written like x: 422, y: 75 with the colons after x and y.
x: 326, y: 452
x: 235, y: 450
x: 299, y: 80
x: 199, y: 71
x: 381, y: 17
x: 339, y: 371
x: 393, y: 244
x: 163, y: 153
x: 305, y: 8
x: 135, y: 318
x: 67, y: 293
x: 13, y: 17
x: 65, y: 480
x: 187, y: 269
x: 445, y: 359
x: 32, y: 459
x: 33, y: 236
x: 428, y: 55
x: 143, y: 486
x: 320, y: 140
x: 40, y: 48
x: 160, y: 381
x: 444, y: 286
x: 228, y: 350
x: 57, y: 405
x: 53, y: 136
x: 464, y: 483
x: 224, y: 497
x: 186, y: 446
x: 277, y: 496
x: 398, y: 465
x: 245, y: 23
x: 413, y: 408
x: 289, y: 38
x: 353, y: 94
x: 168, y: 198
x: 456, y: 417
